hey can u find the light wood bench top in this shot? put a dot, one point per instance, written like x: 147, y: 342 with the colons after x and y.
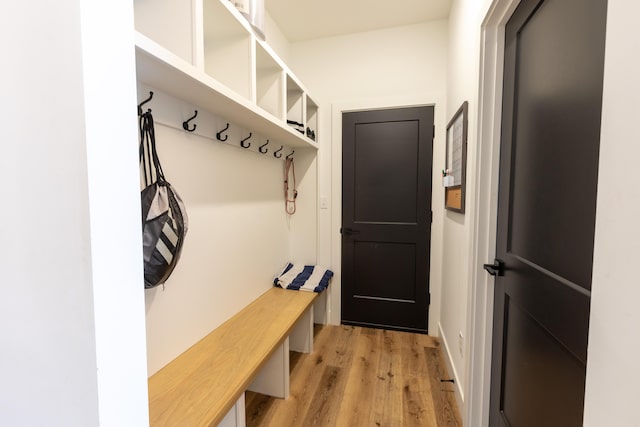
x: 201, y: 385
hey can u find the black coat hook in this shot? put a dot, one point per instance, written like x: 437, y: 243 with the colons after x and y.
x: 144, y: 102
x: 185, y: 125
x: 290, y: 154
x: 277, y: 153
x: 219, y: 134
x: 243, y: 141
x: 264, y: 145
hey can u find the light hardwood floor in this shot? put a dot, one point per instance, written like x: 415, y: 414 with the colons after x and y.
x: 362, y: 377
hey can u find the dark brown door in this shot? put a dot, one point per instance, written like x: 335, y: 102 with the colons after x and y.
x: 554, y: 56
x: 386, y: 217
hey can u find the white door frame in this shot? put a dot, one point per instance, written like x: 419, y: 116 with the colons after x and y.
x: 483, y: 238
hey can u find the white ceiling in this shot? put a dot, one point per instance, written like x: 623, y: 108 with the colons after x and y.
x: 308, y: 19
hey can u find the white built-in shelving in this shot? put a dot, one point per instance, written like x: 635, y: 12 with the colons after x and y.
x: 205, y: 53
x: 269, y: 83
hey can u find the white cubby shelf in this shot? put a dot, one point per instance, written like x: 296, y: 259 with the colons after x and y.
x: 218, y: 65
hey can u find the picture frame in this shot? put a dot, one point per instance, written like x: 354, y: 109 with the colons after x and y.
x: 456, y: 160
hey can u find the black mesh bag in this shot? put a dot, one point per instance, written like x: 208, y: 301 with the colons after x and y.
x: 164, y: 218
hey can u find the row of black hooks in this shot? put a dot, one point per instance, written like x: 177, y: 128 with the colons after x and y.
x: 220, y: 135
x: 277, y: 153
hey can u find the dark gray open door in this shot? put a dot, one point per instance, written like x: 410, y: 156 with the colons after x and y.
x: 554, y: 60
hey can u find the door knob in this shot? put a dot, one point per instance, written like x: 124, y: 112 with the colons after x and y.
x: 495, y: 269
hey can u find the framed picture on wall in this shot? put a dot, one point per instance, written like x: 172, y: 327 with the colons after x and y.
x: 456, y: 160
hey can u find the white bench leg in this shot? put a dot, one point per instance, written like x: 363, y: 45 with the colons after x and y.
x: 301, y: 337
x: 321, y: 308
x: 273, y: 378
x: 236, y: 417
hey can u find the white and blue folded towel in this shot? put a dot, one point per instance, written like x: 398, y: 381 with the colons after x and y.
x: 300, y: 277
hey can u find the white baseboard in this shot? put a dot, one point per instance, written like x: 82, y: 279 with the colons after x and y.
x: 451, y: 369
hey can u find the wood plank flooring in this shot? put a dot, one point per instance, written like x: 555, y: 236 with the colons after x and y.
x: 362, y: 377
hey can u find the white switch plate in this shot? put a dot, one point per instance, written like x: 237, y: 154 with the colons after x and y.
x: 324, y: 202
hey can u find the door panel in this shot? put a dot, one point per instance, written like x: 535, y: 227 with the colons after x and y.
x: 371, y: 268
x: 548, y: 370
x: 386, y: 218
x: 374, y: 156
x: 554, y: 60
x: 556, y: 113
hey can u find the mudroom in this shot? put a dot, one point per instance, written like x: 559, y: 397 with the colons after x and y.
x: 296, y: 213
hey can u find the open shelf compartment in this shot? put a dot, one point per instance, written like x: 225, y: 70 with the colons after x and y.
x: 311, y: 121
x: 227, y: 48
x: 295, y: 100
x: 269, y: 83
x: 169, y: 23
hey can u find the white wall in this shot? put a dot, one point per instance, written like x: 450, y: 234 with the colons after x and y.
x: 376, y: 64
x: 612, y: 364
x: 465, y: 18
x: 275, y: 39
x: 238, y: 238
x: 71, y: 310
x: 46, y: 310
x: 392, y: 67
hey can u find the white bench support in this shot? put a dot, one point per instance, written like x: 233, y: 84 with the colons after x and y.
x: 301, y: 337
x: 236, y: 417
x: 273, y: 378
x: 321, y: 307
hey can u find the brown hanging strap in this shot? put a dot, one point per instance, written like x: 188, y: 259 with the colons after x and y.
x: 289, y: 203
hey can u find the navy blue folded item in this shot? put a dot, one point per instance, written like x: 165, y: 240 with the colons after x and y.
x: 310, y: 278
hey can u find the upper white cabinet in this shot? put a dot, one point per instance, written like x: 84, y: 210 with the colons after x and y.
x: 204, y: 52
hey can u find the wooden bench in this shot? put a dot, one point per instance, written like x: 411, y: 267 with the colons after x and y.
x: 249, y: 351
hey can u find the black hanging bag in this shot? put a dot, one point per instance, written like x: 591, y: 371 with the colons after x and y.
x: 164, y: 218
